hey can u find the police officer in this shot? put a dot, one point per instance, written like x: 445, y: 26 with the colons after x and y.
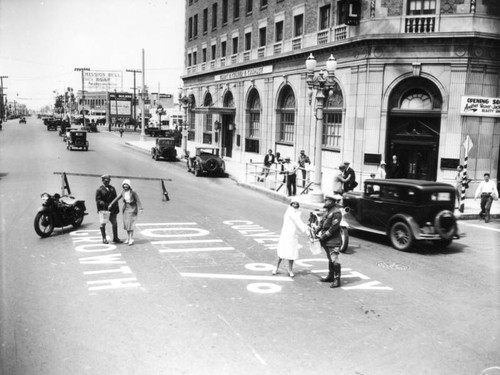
x: 328, y: 232
x: 104, y: 195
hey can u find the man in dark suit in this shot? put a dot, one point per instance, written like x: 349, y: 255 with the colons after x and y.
x: 104, y: 195
x: 350, y: 177
x: 269, y: 160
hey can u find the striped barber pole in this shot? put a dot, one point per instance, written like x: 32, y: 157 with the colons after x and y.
x: 468, y: 145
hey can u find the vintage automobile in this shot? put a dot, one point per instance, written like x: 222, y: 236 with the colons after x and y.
x: 206, y: 159
x: 404, y: 210
x: 77, y: 138
x: 67, y: 131
x: 22, y: 120
x: 165, y: 149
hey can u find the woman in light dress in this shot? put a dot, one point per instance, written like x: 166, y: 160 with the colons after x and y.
x: 381, y: 172
x: 288, y: 244
x: 131, y: 205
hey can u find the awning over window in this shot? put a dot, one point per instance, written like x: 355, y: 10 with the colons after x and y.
x: 216, y: 110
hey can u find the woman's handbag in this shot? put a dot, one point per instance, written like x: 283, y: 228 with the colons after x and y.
x: 104, y: 217
x: 315, y: 247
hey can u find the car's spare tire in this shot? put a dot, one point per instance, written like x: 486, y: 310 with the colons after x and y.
x: 445, y: 224
x: 79, y: 142
x: 211, y: 165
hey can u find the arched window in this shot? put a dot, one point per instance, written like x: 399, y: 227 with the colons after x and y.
x: 416, y: 99
x: 332, y: 118
x: 253, y: 120
x: 254, y: 114
x: 286, y: 115
x: 207, y: 121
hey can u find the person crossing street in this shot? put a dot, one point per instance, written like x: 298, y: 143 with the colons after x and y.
x: 104, y: 196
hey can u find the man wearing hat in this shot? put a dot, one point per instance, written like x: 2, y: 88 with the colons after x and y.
x: 328, y: 232
x: 350, y: 177
x: 303, y: 160
x: 104, y: 195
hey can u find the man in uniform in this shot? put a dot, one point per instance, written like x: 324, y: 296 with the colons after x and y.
x: 104, y: 196
x: 328, y: 232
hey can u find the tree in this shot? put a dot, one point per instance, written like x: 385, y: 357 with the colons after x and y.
x: 59, y: 104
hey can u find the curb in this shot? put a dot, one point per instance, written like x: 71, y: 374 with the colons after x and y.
x: 285, y: 199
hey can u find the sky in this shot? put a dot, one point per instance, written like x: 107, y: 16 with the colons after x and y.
x: 42, y: 42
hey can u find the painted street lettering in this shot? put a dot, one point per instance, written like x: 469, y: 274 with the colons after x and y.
x: 104, y: 265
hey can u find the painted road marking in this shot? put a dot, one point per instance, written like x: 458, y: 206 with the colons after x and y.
x: 480, y: 226
x: 88, y: 243
x: 194, y: 249
x: 235, y: 277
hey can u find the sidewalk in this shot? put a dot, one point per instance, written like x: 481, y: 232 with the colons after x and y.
x: 237, y: 172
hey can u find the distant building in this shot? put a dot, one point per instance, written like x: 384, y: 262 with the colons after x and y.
x: 414, y: 79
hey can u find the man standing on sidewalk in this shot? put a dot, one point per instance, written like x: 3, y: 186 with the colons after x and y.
x: 488, y: 192
x: 291, y: 176
x: 269, y: 160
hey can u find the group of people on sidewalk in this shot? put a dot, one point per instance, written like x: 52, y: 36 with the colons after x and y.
x: 288, y: 168
x: 108, y: 209
x: 327, y: 232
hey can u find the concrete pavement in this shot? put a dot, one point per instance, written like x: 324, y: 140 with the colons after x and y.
x: 246, y: 175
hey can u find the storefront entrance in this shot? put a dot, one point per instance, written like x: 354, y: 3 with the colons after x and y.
x: 227, y: 135
x: 413, y: 129
x: 415, y: 143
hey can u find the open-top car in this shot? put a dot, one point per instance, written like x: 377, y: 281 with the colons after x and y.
x: 77, y: 139
x: 22, y: 120
x: 404, y: 210
x: 206, y: 159
x: 165, y: 149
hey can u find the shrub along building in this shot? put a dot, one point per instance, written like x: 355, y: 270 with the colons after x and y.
x: 414, y: 78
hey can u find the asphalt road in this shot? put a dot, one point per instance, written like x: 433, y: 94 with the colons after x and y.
x: 195, y: 294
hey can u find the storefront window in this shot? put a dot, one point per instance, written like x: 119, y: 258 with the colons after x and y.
x: 332, y: 124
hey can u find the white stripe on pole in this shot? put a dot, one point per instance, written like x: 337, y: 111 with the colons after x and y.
x: 468, y: 145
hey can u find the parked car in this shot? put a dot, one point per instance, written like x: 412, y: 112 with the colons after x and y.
x: 164, y: 148
x: 52, y: 125
x: 22, y: 120
x: 404, y: 210
x: 78, y: 139
x: 206, y: 159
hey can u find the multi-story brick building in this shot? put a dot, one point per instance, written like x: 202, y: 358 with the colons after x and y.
x: 405, y: 71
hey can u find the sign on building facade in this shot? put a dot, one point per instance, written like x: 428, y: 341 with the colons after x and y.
x: 480, y: 106
x: 99, y: 80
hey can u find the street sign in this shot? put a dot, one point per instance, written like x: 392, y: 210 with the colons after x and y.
x: 468, y: 144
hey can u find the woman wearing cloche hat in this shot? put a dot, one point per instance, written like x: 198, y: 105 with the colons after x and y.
x: 131, y: 205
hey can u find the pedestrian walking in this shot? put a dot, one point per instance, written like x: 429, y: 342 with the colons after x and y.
x: 381, y: 172
x: 488, y: 192
x: 290, y: 170
x: 458, y: 184
x: 131, y: 205
x: 302, y: 161
x: 339, y: 180
x: 328, y: 233
x: 104, y: 197
x: 350, y: 177
x: 288, y: 244
x: 269, y: 160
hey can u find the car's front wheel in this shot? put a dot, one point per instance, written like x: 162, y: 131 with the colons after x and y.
x: 401, y: 236
x: 344, y: 235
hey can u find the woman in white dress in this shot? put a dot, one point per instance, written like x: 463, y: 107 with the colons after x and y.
x: 131, y: 205
x: 288, y: 245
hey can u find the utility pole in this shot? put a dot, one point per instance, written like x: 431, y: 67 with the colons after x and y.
x: 133, y: 100
x: 83, y: 91
x: 2, y: 107
x: 143, y: 122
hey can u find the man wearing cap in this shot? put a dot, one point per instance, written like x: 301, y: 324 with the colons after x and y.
x: 303, y: 160
x: 291, y: 177
x: 104, y: 195
x: 350, y: 177
x: 328, y: 232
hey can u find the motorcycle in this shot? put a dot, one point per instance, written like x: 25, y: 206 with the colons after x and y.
x: 57, y: 211
x: 315, y: 218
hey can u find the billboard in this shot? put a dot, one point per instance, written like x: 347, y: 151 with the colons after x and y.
x: 120, y: 105
x: 100, y: 80
x: 480, y: 106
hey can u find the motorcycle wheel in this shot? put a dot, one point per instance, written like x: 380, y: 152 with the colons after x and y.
x: 78, y: 220
x: 344, y: 234
x: 44, y: 224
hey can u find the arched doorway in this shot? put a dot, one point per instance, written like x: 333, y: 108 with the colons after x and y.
x: 414, y: 126
x: 227, y: 126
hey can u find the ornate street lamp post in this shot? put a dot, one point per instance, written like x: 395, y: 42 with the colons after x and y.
x: 323, y: 83
x: 186, y: 100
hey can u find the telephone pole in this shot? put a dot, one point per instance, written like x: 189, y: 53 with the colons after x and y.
x: 83, y: 91
x: 2, y: 107
x: 133, y: 100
